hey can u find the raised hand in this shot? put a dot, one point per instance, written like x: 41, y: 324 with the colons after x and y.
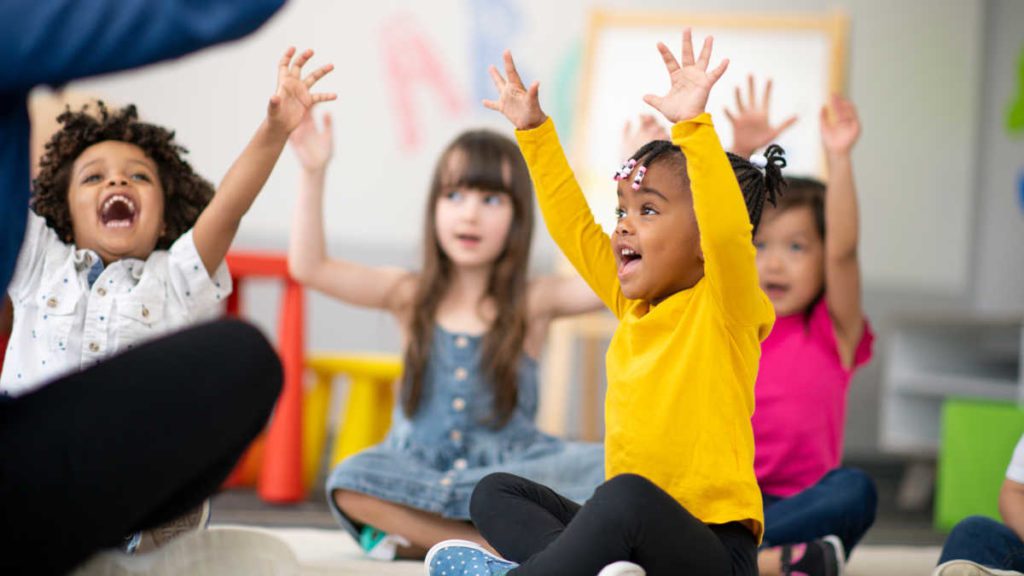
x: 520, y: 105
x: 841, y: 128
x: 647, y: 128
x: 293, y: 98
x: 691, y: 81
x: 313, y: 147
x: 751, y: 129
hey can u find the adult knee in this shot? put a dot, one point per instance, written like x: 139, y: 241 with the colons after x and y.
x: 249, y: 372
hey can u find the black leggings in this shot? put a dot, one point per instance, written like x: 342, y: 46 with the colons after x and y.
x: 628, y: 518
x: 128, y: 444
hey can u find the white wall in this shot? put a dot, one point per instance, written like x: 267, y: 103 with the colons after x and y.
x: 913, y: 71
x: 999, y: 252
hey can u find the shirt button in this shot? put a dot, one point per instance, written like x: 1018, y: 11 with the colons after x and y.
x: 94, y: 347
x: 52, y: 302
x: 102, y: 291
x: 461, y: 342
x: 446, y: 481
x: 459, y: 404
x: 145, y: 312
x: 455, y: 435
x: 461, y: 464
x: 460, y: 374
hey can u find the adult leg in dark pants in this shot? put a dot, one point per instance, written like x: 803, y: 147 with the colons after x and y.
x: 628, y: 518
x: 843, y: 503
x: 128, y: 444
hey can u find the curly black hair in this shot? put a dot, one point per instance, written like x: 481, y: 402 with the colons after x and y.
x: 186, y: 193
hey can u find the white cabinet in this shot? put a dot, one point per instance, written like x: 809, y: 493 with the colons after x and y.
x: 932, y: 358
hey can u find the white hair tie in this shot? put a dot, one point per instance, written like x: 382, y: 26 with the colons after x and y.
x: 759, y: 160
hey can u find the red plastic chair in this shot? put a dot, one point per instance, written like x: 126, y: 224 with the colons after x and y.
x: 280, y: 473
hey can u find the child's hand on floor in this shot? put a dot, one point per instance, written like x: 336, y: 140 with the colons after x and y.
x: 313, y: 147
x: 751, y: 129
x: 840, y: 128
x: 691, y: 82
x: 293, y: 98
x: 519, y: 104
x: 647, y: 129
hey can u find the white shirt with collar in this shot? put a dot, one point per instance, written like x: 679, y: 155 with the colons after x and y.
x: 1015, y: 471
x: 62, y: 324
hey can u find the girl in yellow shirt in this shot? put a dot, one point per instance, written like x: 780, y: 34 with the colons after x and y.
x: 680, y: 275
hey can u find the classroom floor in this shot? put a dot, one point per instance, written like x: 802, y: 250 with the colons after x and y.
x: 893, y: 527
x: 248, y: 536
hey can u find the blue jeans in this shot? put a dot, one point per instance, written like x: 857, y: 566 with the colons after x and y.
x: 985, y: 541
x: 842, y: 503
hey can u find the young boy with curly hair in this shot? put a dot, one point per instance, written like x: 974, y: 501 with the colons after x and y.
x: 126, y: 242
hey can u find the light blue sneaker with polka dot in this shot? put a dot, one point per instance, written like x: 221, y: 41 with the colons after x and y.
x: 464, y: 558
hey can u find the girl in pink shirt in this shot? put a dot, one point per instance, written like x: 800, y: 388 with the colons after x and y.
x: 815, y: 511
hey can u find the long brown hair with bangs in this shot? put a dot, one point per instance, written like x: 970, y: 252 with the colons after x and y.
x: 492, y: 162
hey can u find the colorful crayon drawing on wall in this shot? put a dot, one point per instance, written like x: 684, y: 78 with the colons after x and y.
x: 494, y: 24
x: 1015, y: 111
x: 1015, y: 120
x: 412, y: 64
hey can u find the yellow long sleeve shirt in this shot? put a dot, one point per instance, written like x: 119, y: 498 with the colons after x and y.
x: 680, y: 374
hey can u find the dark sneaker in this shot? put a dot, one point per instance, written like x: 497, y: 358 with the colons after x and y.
x: 824, y: 557
x: 464, y: 558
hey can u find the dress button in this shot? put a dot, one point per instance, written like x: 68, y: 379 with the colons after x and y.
x: 461, y: 464
x: 455, y: 435
x: 446, y: 481
x: 460, y: 374
x: 94, y: 347
x: 459, y: 404
x: 461, y: 342
x: 52, y: 302
x: 101, y: 291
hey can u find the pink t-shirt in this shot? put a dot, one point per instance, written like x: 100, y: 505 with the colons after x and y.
x: 801, y: 401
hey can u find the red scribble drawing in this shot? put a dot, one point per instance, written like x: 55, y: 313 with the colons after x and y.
x: 412, y: 65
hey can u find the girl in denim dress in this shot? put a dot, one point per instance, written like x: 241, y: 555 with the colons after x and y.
x: 473, y: 326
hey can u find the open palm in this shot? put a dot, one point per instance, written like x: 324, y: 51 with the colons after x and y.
x: 840, y: 130
x: 313, y: 147
x: 519, y: 104
x: 293, y: 98
x: 691, y: 81
x: 751, y: 126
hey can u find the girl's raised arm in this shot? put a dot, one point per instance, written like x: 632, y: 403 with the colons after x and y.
x: 356, y: 284
x: 839, y: 132
x: 216, y: 227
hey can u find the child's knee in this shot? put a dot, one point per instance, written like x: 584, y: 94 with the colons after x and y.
x: 629, y: 495
x: 355, y: 505
x: 491, y: 486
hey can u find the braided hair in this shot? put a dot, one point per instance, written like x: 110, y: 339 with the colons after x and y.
x: 758, y: 186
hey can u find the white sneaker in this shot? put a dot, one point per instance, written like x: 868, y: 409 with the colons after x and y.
x: 194, y: 520
x: 968, y: 568
x: 622, y: 568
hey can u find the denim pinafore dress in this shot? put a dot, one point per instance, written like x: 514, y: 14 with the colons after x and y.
x: 433, y: 460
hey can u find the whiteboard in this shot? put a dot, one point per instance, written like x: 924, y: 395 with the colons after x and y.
x: 802, y: 54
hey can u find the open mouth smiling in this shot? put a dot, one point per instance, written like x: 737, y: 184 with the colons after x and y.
x: 118, y: 211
